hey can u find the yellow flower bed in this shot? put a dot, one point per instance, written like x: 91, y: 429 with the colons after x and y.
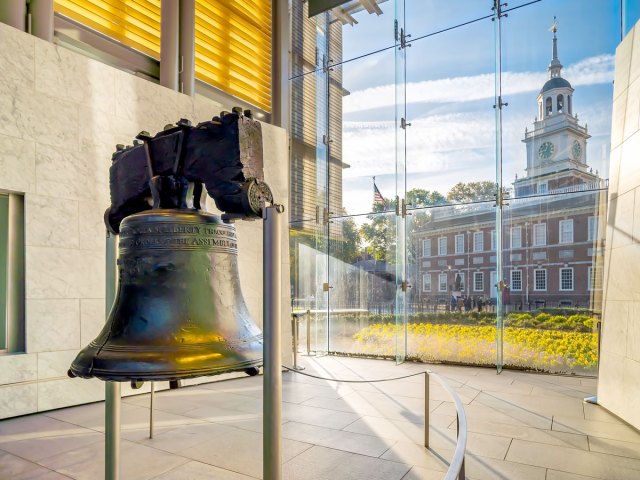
x: 548, y: 350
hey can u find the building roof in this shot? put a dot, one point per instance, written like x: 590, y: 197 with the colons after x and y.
x: 556, y: 82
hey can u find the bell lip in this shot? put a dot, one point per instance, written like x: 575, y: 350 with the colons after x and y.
x: 147, y: 376
x: 175, y: 214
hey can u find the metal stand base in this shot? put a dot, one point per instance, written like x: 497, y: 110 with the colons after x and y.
x: 592, y: 399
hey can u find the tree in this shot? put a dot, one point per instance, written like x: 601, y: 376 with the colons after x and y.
x: 419, y: 198
x: 348, y: 247
x: 465, y: 192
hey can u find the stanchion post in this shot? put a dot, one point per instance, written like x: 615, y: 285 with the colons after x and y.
x: 461, y: 475
x: 426, y: 409
x: 272, y: 382
x: 153, y: 391
x: 308, y: 332
x: 112, y: 389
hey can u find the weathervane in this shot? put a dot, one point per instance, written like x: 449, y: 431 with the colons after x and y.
x: 554, y: 25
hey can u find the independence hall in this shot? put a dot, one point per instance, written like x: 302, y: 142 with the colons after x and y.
x: 552, y: 239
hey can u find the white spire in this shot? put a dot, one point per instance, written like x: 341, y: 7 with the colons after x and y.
x: 555, y: 66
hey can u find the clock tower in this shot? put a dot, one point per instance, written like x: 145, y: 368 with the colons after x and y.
x: 557, y: 145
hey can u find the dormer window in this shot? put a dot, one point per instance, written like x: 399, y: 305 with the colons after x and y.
x: 560, y: 103
x: 548, y: 109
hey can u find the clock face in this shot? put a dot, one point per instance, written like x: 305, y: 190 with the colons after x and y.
x: 576, y: 150
x: 546, y: 150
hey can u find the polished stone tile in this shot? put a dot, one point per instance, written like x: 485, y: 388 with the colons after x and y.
x: 319, y: 463
x: 201, y: 471
x: 35, y: 449
x: 574, y: 461
x: 595, y: 428
x: 614, y: 447
x: 138, y: 461
x: 16, y: 468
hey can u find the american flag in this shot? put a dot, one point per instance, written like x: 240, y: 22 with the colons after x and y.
x: 377, y: 196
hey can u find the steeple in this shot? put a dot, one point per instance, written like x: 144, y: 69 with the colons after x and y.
x: 555, y: 66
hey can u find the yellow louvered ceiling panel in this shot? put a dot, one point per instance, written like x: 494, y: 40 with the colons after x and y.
x: 233, y: 48
x: 134, y: 23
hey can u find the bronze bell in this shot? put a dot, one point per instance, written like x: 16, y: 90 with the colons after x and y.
x: 179, y: 310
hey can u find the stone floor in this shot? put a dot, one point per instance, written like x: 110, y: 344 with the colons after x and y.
x: 521, y: 426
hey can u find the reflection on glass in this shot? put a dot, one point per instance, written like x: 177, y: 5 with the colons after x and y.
x: 4, y: 232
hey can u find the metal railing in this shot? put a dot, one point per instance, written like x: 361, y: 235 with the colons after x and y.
x: 456, y: 468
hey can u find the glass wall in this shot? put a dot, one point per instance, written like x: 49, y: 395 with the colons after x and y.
x: 449, y: 176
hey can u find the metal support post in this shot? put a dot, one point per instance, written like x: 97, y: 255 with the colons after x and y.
x: 295, y: 324
x: 308, y: 332
x: 153, y: 390
x: 41, y: 19
x: 461, y: 475
x: 169, y: 43
x: 187, y: 46
x: 112, y: 389
x: 272, y: 382
x: 426, y: 409
x: 14, y: 13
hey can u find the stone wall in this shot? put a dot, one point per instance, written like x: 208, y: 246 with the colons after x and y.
x: 619, y: 376
x: 61, y: 115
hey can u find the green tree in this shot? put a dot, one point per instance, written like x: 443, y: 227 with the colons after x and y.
x: 348, y: 246
x: 464, y: 192
x: 379, y: 233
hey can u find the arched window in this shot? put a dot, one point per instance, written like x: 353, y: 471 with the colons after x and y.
x: 560, y: 104
x: 547, y: 107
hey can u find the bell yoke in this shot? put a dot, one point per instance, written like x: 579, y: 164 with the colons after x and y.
x: 179, y: 310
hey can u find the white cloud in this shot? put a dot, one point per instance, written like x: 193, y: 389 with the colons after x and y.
x: 589, y: 71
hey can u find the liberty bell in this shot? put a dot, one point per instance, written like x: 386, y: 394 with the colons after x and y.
x: 179, y: 310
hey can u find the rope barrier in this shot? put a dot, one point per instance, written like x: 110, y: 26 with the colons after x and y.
x: 355, y: 381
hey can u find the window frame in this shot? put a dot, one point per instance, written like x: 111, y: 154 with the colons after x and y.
x: 536, y: 227
x: 511, y: 281
x: 459, y: 238
x: 535, y: 280
x: 476, y: 243
x: 476, y: 276
x: 560, y: 279
x: 424, y: 284
x: 446, y: 282
x: 442, y: 251
x: 561, y: 223
x: 425, y: 242
x: 592, y: 228
x: 512, y: 236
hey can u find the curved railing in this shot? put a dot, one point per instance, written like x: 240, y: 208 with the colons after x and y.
x: 456, y: 467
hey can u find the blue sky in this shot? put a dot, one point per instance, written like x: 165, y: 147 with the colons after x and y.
x: 450, y: 89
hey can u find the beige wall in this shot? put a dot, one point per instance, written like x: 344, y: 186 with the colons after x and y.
x: 61, y: 115
x: 619, y: 382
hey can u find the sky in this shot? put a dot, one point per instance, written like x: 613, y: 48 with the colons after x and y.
x: 450, y: 90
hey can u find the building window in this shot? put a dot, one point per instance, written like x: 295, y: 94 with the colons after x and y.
x: 478, y: 281
x: 12, y: 325
x: 592, y: 228
x: 442, y: 282
x: 493, y: 240
x: 426, y: 247
x: 543, y: 188
x: 460, y: 243
x: 516, y: 237
x: 426, y: 282
x: 540, y: 280
x: 548, y: 107
x: 566, y: 231
x: 539, y: 234
x: 566, y: 279
x: 478, y: 242
x: 593, y: 278
x: 516, y: 280
x: 442, y: 246
x: 560, y: 101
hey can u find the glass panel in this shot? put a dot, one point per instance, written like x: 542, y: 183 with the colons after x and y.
x: 450, y: 152
x: 431, y: 17
x: 451, y: 307
x: 4, y: 231
x: 308, y: 276
x: 562, y: 80
x: 364, y: 137
x: 362, y: 278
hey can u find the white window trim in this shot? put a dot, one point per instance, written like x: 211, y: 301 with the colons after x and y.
x: 519, y: 230
x: 480, y: 275
x: 426, y: 241
x: 546, y: 280
x: 459, y: 237
x: 535, y: 237
x: 565, y: 222
x: 493, y: 240
x: 475, y: 243
x: 440, y: 252
x: 440, y: 282
x: 573, y: 280
x: 591, y: 285
x: 424, y: 284
x: 511, y: 287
